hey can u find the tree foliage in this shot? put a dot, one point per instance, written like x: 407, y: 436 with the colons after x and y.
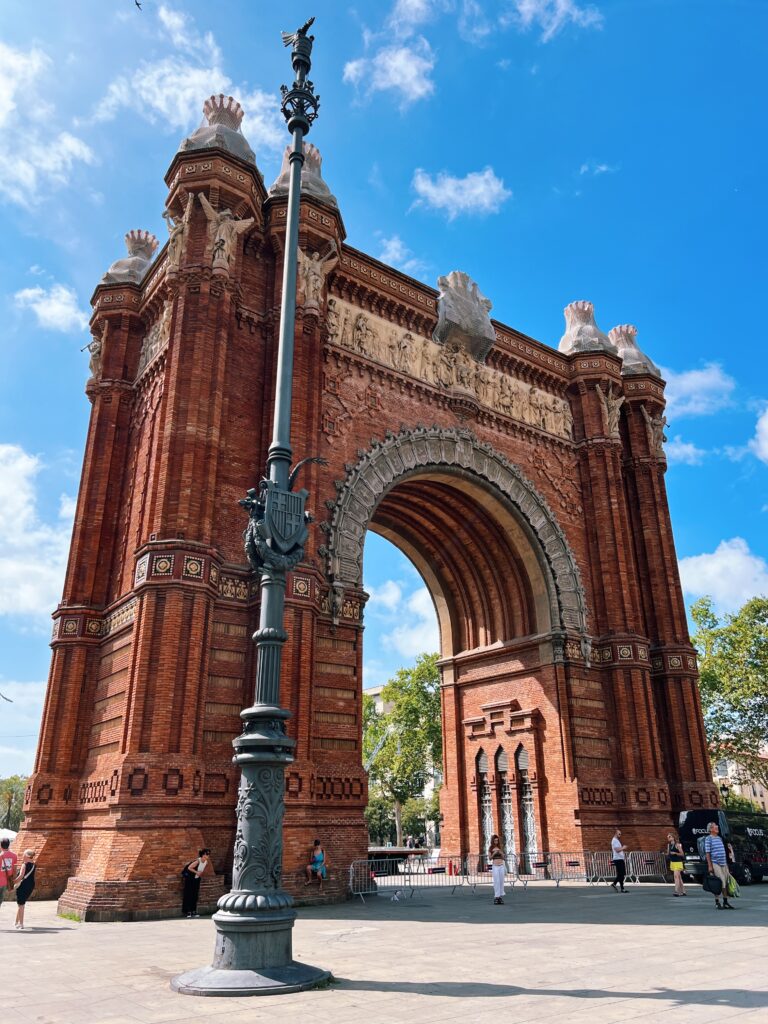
x: 734, y: 684
x: 410, y: 732
x: 12, y: 801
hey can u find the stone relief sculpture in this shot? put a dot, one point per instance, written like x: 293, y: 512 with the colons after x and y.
x: 446, y: 366
x: 223, y: 231
x: 463, y: 315
x: 655, y: 425
x: 156, y: 338
x: 581, y: 332
x: 611, y: 405
x: 177, y: 234
x: 633, y: 360
x: 312, y: 274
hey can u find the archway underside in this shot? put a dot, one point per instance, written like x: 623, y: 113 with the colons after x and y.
x: 468, y: 557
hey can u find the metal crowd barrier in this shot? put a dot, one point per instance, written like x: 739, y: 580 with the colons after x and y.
x: 647, y: 865
x: 478, y: 871
x: 602, y: 868
x: 405, y: 875
x: 571, y: 867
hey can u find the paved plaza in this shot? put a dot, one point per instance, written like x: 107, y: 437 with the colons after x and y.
x: 577, y: 955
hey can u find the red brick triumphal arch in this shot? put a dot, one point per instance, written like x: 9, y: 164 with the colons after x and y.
x: 525, y: 482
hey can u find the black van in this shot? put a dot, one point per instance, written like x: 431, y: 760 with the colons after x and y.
x: 746, y: 833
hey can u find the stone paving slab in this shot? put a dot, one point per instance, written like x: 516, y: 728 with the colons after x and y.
x: 573, y: 955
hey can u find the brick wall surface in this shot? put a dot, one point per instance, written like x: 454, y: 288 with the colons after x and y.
x: 152, y: 657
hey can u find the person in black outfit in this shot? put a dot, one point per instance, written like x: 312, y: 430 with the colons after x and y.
x: 191, y: 875
x: 25, y: 883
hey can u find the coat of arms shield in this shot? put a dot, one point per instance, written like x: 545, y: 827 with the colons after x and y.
x: 284, y: 518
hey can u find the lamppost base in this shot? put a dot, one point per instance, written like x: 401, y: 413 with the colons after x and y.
x: 215, y: 981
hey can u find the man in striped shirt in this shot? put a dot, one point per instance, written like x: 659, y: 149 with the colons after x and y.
x: 717, y: 863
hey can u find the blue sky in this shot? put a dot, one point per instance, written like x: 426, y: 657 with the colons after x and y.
x: 553, y: 149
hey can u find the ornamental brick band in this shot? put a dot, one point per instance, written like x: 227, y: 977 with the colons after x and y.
x: 533, y: 505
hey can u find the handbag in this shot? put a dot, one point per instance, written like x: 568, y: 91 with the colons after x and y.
x: 712, y: 883
x: 186, y: 873
x: 733, y: 888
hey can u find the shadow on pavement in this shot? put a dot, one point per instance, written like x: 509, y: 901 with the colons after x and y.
x: 643, y: 905
x: 726, y: 997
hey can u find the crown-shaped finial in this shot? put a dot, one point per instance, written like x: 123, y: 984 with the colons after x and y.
x: 141, y: 243
x: 224, y: 110
x: 633, y: 360
x: 581, y: 332
x: 623, y: 336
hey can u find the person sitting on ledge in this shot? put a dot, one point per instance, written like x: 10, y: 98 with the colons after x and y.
x: 318, y: 864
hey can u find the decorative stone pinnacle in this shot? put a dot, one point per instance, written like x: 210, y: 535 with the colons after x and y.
x: 581, y: 332
x: 633, y: 360
x: 312, y: 182
x: 224, y: 110
x: 140, y: 243
x: 463, y: 315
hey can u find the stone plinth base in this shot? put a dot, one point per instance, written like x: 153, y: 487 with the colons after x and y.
x: 134, y: 900
x: 211, y: 981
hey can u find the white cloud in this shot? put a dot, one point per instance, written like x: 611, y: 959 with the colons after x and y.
x: 408, y: 15
x: 759, y: 443
x: 730, y: 575
x: 385, y: 598
x: 474, y: 25
x: 698, y: 392
x: 404, y: 69
x: 595, y: 169
x: 551, y: 16
x: 397, y: 254
x: 477, y: 192
x: 56, y: 308
x: 33, y: 554
x: 418, y: 630
x: 171, y: 90
x: 35, y: 157
x: 684, y: 452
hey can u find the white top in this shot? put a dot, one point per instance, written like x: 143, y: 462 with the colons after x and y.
x: 616, y: 851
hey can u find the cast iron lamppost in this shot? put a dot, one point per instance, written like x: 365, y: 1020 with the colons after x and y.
x: 254, y: 921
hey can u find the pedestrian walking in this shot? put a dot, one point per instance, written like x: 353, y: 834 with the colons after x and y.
x: 717, y: 864
x: 498, y: 869
x: 618, y: 851
x: 676, y: 862
x: 25, y: 883
x: 8, y: 861
x: 192, y: 873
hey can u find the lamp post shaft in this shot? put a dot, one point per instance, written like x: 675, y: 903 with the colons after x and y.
x: 254, y: 921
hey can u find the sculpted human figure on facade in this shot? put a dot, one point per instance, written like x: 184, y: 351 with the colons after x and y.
x: 223, y: 232
x: 312, y: 274
x: 177, y: 234
x: 655, y: 427
x: 333, y: 320
x: 611, y: 405
x: 94, y: 363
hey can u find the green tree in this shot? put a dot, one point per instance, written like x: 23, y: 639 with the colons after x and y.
x: 734, y: 683
x: 737, y: 802
x: 404, y: 743
x: 12, y: 801
x: 380, y: 819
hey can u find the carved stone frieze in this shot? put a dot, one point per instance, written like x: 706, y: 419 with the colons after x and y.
x: 156, y: 338
x: 448, y: 367
x: 454, y: 451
